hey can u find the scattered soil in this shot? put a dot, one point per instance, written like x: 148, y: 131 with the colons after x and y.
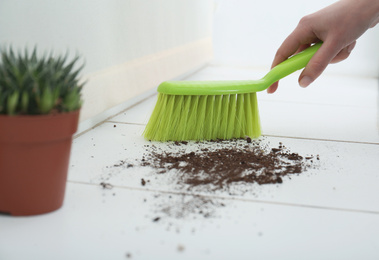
x: 183, y: 205
x: 234, y: 166
x: 122, y: 163
x: 106, y: 185
x: 230, y: 163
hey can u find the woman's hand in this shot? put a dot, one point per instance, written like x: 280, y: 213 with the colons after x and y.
x: 338, y: 26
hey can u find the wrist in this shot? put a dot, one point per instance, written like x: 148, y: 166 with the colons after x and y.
x: 369, y: 10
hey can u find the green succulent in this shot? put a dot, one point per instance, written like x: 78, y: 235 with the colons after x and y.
x: 33, y: 85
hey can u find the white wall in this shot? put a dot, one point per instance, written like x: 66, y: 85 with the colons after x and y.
x: 129, y: 46
x: 248, y: 33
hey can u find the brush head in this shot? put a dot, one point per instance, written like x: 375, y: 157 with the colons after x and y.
x: 204, y: 117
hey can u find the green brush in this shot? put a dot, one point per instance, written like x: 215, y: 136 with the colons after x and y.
x: 209, y: 110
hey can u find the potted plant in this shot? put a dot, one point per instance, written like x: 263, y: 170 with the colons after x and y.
x: 40, y: 100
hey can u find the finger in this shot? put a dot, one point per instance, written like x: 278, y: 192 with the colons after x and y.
x: 344, y: 53
x: 273, y: 88
x: 299, y: 39
x: 319, y: 62
x: 288, y: 48
x: 302, y: 47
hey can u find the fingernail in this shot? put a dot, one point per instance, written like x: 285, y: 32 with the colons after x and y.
x: 305, y: 81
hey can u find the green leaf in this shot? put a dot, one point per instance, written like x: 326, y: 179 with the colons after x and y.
x: 1, y: 100
x: 72, y: 101
x: 47, y: 101
x: 12, y: 103
x: 24, y: 101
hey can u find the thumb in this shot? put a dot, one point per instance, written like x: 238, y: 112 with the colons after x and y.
x: 318, y: 63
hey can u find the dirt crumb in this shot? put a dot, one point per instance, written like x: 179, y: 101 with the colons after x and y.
x: 180, y: 248
x: 106, y: 185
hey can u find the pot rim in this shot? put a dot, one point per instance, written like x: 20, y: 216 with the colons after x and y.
x: 38, y: 128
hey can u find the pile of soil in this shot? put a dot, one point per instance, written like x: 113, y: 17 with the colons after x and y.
x: 219, y: 164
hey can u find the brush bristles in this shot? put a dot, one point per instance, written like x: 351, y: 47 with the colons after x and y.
x: 178, y: 118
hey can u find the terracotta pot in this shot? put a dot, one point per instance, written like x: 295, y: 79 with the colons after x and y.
x: 34, y: 158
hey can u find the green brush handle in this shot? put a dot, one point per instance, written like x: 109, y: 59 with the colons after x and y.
x: 292, y: 64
